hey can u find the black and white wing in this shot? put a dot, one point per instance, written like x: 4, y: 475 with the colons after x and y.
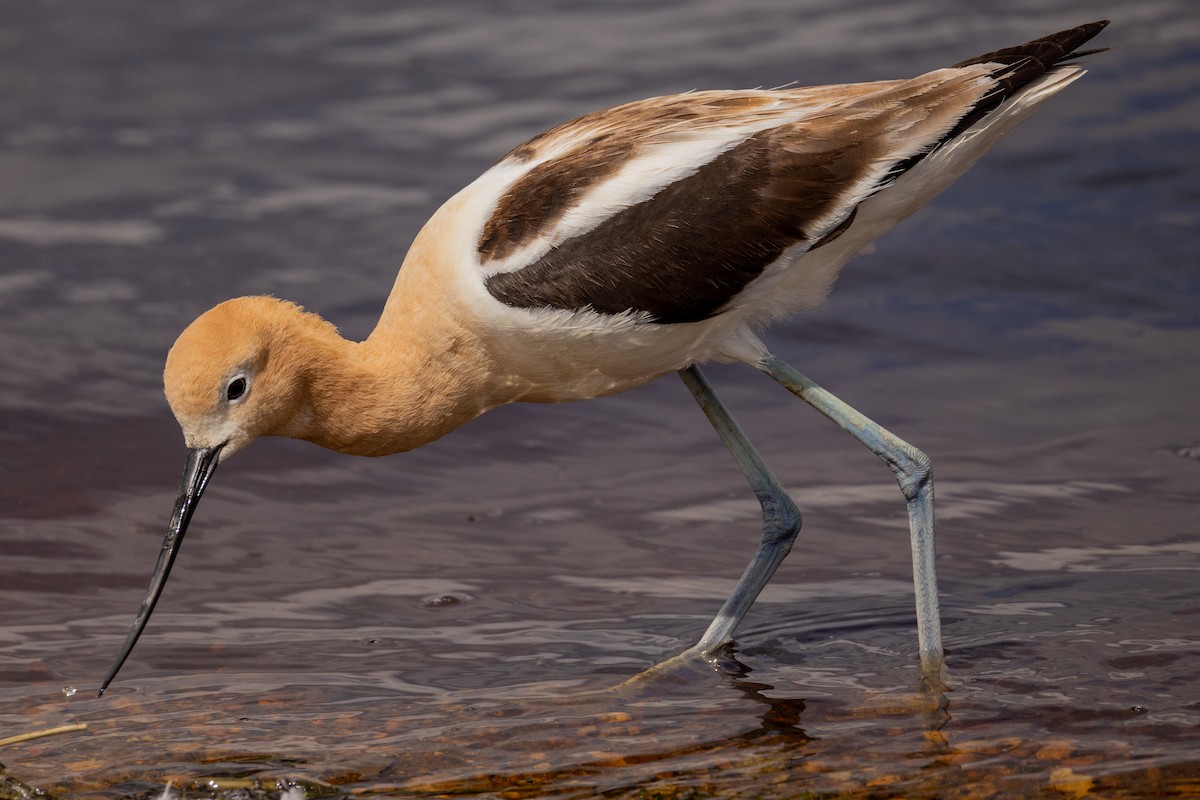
x: 670, y: 207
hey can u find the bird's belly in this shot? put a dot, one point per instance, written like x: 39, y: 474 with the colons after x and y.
x: 559, y: 356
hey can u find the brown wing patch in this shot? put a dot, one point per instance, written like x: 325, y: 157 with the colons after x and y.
x: 549, y: 190
x: 684, y: 253
x: 599, y: 144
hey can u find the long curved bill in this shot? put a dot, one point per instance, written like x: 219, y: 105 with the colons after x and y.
x: 201, y: 464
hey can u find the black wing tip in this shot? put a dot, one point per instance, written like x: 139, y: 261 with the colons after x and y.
x: 1047, y: 50
x: 1083, y: 53
x: 1068, y: 41
x: 1019, y: 66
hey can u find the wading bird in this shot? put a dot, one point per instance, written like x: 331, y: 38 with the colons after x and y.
x: 630, y: 243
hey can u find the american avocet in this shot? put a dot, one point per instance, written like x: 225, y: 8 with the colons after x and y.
x: 629, y: 243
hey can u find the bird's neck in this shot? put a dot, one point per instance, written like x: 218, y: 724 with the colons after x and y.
x: 403, y: 387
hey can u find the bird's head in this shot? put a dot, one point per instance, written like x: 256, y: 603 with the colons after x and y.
x: 231, y: 377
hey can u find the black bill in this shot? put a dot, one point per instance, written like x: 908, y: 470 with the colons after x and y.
x: 201, y: 463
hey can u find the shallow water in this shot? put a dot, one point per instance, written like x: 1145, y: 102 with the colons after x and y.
x: 463, y: 619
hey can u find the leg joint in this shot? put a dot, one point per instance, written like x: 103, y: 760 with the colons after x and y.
x: 914, y: 471
x: 781, y: 519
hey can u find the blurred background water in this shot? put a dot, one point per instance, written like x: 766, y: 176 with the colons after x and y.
x: 453, y: 620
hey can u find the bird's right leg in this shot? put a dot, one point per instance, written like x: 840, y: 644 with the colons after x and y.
x: 781, y: 518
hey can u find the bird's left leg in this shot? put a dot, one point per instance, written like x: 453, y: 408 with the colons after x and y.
x: 781, y: 518
x: 915, y: 477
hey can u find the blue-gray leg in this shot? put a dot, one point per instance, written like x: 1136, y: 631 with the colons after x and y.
x: 915, y: 476
x: 781, y: 518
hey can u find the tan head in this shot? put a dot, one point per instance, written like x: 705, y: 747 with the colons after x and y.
x: 233, y: 374
x: 257, y: 366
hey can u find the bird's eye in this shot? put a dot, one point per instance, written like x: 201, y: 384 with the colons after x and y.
x: 236, y: 388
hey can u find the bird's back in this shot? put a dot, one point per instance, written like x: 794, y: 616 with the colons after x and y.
x: 636, y: 240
